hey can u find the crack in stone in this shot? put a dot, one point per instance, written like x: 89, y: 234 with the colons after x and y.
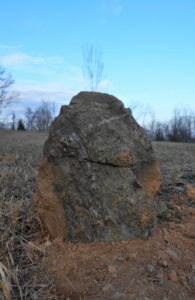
x: 105, y: 163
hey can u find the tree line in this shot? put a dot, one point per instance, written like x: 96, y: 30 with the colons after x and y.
x: 38, y: 119
x: 181, y: 127
x: 35, y: 120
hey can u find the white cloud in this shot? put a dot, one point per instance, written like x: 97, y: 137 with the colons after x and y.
x: 40, y: 78
x: 32, y: 94
x: 46, y: 78
x: 7, y: 47
x: 23, y: 60
x: 50, y: 91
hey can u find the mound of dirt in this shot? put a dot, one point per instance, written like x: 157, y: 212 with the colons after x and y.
x: 99, y: 173
x: 161, y: 268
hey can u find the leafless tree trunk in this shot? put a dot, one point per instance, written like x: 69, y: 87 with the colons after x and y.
x: 13, y: 127
x: 93, y: 66
x: 30, y: 119
x: 6, y: 82
x: 43, y: 117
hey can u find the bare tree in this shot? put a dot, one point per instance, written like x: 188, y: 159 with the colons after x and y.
x: 93, y: 66
x: 30, y: 119
x: 13, y: 126
x: 142, y: 113
x: 43, y: 117
x: 40, y: 119
x: 181, y: 127
x: 6, y: 82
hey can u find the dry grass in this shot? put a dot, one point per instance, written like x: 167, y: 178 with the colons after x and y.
x: 20, y: 276
x: 177, y: 161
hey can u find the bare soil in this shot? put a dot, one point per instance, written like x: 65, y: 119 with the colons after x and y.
x: 162, y: 267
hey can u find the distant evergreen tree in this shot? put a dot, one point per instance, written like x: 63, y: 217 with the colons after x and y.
x: 21, y: 125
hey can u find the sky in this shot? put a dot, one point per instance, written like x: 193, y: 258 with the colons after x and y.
x: 148, y: 51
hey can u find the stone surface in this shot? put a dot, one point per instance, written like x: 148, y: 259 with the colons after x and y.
x: 99, y: 174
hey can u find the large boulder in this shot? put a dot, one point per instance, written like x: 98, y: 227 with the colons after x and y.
x: 99, y: 174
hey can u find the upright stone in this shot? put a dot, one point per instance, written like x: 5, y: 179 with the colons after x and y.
x: 99, y: 174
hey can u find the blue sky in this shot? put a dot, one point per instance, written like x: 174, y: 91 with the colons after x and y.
x: 148, y: 49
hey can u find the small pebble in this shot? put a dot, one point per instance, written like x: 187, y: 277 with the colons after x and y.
x: 48, y: 243
x: 131, y: 256
x: 173, y: 276
x: 151, y: 268
x: 120, y: 258
x: 164, y: 263
x: 112, y: 269
x: 172, y: 253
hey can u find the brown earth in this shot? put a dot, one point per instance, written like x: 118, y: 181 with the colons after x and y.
x: 163, y: 267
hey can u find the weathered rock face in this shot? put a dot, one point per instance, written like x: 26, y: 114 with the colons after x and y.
x: 99, y: 173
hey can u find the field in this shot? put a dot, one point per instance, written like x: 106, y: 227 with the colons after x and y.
x: 34, y: 267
